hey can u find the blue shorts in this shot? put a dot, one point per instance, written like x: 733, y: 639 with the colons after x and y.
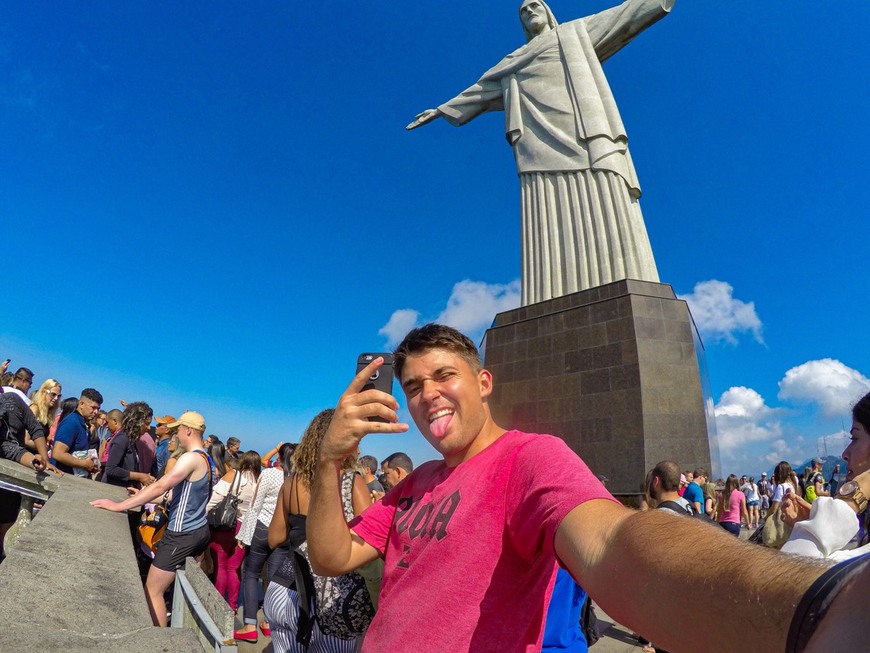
x: 752, y: 503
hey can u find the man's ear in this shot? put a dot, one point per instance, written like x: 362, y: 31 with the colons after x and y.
x: 484, y: 378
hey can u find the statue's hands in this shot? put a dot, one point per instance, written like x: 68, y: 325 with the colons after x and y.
x: 422, y: 118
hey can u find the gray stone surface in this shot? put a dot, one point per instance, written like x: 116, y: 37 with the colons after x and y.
x: 613, y: 370
x: 18, y: 638
x: 71, y: 582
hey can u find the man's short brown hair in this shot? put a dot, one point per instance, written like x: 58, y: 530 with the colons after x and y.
x: 435, y: 336
x: 668, y: 472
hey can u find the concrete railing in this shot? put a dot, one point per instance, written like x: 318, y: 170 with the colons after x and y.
x: 196, y: 605
x: 70, y: 581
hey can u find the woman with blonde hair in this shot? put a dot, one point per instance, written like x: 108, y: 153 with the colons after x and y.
x: 281, y: 605
x: 711, y: 501
x: 176, y: 451
x: 46, y: 401
x: 44, y: 407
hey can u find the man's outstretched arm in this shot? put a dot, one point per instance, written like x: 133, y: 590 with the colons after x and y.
x: 626, y: 561
x: 332, y: 547
x: 186, y: 465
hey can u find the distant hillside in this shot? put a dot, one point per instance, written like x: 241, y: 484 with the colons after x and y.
x: 827, y: 468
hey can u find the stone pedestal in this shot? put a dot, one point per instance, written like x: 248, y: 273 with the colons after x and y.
x: 617, y: 371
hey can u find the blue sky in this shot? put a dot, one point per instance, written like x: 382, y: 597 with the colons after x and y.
x: 216, y: 206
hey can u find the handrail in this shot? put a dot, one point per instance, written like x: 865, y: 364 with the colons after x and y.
x: 23, y: 490
x: 185, y: 595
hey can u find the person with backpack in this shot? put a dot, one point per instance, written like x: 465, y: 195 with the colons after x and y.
x: 663, y: 484
x: 693, y: 492
x: 299, y: 621
x: 815, y: 484
x: 188, y: 533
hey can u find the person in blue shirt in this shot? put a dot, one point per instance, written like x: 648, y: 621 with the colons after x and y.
x: 162, y: 453
x: 694, y: 494
x: 562, y: 630
x: 73, y: 436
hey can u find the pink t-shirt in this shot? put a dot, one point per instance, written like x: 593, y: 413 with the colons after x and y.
x: 469, y: 559
x: 147, y: 451
x: 731, y: 513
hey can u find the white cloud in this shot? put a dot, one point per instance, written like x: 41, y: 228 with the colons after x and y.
x: 833, y: 444
x: 471, y: 308
x: 719, y: 315
x: 399, y: 324
x: 473, y: 305
x: 743, y: 418
x: 826, y: 382
x: 780, y: 450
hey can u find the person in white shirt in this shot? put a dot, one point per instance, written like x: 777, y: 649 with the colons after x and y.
x: 21, y: 384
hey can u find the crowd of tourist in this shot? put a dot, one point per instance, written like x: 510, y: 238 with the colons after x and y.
x: 311, y: 532
x: 744, y: 503
x: 121, y: 447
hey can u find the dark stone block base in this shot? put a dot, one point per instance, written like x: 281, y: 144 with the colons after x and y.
x: 617, y: 371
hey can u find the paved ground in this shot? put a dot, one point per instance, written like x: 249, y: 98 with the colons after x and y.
x: 262, y: 644
x: 616, y: 639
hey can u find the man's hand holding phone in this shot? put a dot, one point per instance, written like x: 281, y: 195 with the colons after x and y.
x: 352, y: 422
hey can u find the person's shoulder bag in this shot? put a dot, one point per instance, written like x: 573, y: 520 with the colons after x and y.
x: 341, y: 605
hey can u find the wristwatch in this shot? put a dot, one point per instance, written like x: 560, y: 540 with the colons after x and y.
x: 850, y: 491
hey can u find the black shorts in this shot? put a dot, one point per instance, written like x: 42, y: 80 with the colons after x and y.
x: 173, y: 548
x: 10, y: 502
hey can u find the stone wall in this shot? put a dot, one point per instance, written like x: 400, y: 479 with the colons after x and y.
x: 70, y: 583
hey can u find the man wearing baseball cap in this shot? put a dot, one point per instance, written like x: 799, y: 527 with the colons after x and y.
x: 164, y: 435
x: 188, y: 533
x: 817, y: 480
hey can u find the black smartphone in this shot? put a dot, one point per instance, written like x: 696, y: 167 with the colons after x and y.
x: 382, y: 379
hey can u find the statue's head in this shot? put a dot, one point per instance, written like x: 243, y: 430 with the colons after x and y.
x: 536, y: 18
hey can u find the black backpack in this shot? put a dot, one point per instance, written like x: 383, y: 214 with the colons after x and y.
x: 589, y: 622
x: 690, y: 511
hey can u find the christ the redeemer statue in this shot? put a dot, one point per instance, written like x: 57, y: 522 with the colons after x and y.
x: 581, y: 221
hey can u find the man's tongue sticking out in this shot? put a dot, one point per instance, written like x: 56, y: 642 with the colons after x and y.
x: 438, y: 426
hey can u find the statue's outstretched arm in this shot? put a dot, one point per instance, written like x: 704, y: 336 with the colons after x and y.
x: 426, y: 117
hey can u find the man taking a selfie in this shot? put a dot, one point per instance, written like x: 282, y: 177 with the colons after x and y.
x: 471, y: 542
